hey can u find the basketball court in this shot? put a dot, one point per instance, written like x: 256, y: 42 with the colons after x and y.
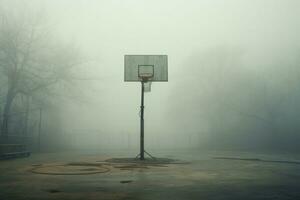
x: 92, y: 175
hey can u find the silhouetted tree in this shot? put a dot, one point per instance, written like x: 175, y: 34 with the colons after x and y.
x: 32, y: 62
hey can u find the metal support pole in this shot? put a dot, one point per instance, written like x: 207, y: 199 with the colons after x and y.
x: 142, y: 124
x: 40, y: 129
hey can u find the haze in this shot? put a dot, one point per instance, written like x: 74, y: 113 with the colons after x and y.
x: 233, y: 73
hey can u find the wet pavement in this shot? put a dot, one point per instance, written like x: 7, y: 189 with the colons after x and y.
x: 205, y: 175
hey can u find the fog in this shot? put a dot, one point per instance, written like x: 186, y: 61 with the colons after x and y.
x: 234, y: 73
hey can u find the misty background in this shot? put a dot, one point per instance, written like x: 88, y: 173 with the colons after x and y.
x: 234, y: 69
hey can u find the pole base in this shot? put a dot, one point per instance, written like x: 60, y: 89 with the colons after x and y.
x: 139, y: 156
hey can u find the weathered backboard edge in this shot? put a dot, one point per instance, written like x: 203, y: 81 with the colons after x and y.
x: 148, y: 55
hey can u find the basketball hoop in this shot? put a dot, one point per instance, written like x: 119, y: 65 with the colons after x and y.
x: 145, y: 77
x: 145, y: 72
x: 145, y: 69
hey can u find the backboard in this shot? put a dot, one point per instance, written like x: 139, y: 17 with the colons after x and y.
x: 145, y: 67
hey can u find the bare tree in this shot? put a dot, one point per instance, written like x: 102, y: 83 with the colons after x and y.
x: 31, y: 62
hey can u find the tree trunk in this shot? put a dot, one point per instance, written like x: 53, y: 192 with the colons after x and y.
x: 27, y: 108
x: 9, y: 100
